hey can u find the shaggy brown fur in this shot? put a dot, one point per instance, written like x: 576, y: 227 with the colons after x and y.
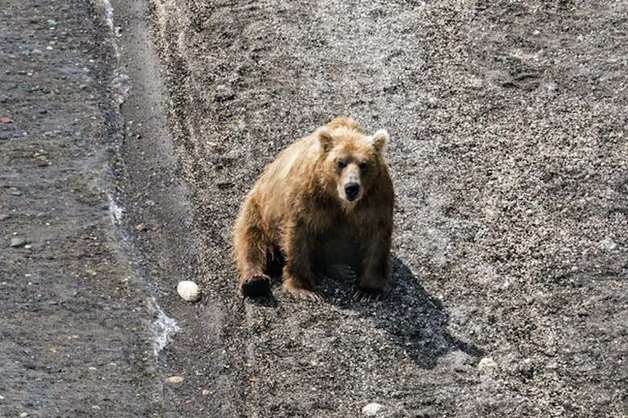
x: 327, y: 195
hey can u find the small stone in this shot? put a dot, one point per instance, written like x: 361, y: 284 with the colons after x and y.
x: 4, y: 217
x: 175, y: 380
x: 18, y: 242
x: 372, y: 409
x: 205, y: 392
x: 16, y: 193
x: 189, y: 291
x: 223, y: 93
x: 487, y: 365
x: 608, y: 244
x: 23, y: 414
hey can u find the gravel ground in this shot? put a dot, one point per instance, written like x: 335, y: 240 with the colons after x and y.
x: 510, y: 163
x: 509, y: 157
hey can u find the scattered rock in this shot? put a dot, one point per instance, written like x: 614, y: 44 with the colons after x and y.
x: 372, y: 409
x: 425, y: 413
x: 460, y: 361
x: 608, y: 244
x: 5, y: 120
x: 487, y: 365
x: 189, y: 291
x: 16, y: 193
x: 17, y: 242
x: 223, y: 93
x: 175, y: 380
x: 205, y: 392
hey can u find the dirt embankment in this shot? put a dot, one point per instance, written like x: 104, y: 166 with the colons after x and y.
x: 75, y: 314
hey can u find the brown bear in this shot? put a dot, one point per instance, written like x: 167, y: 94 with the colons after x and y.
x: 326, y: 198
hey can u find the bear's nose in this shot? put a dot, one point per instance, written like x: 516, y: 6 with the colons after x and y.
x: 352, y: 190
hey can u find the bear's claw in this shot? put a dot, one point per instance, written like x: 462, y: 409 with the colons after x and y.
x: 368, y: 294
x: 303, y: 294
x: 255, y: 286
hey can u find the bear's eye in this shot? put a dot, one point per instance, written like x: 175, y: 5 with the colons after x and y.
x: 363, y: 166
x: 342, y: 164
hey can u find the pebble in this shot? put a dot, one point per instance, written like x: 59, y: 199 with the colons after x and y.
x: 487, y: 365
x: 16, y: 193
x: 175, y: 380
x: 608, y: 244
x: 372, y: 409
x: 224, y: 93
x: 18, y: 242
x: 205, y: 392
x: 188, y: 290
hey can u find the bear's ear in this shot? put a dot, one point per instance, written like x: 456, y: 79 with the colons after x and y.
x: 379, y: 139
x: 325, y: 139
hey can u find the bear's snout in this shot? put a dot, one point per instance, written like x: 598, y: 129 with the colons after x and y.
x: 352, y: 190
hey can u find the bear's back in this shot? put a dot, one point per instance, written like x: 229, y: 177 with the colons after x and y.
x: 285, y: 176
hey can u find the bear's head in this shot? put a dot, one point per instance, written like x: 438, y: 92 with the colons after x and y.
x: 352, y: 162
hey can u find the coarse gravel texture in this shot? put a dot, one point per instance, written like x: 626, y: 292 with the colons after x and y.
x: 75, y: 315
x: 509, y: 158
x: 510, y: 163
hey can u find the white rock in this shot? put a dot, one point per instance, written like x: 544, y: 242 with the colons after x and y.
x: 174, y: 379
x: 608, y: 244
x: 487, y: 365
x: 188, y: 290
x: 372, y: 409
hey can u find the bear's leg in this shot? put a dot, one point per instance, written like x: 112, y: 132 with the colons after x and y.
x: 298, y: 277
x: 375, y: 278
x: 251, y: 248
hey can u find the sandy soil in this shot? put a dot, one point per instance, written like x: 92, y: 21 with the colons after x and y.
x: 510, y: 163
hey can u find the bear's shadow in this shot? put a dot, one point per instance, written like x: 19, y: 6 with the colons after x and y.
x: 413, y: 319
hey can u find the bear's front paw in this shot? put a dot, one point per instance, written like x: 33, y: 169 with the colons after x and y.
x: 368, y: 294
x: 304, y: 294
x: 255, y: 285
